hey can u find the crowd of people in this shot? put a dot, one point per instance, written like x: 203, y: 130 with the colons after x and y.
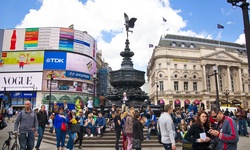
x: 216, y: 129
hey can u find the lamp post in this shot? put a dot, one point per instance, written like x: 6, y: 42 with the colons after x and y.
x: 51, y: 79
x: 157, y: 91
x: 94, y: 78
x: 215, y: 68
x: 244, y: 6
x: 226, y: 93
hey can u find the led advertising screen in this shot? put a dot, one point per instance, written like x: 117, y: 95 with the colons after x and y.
x: 20, y: 81
x: 79, y: 63
x: 54, y: 60
x: 49, y: 38
x: 22, y: 61
x: 67, y: 81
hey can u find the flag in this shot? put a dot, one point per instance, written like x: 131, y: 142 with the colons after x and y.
x: 220, y: 26
x: 150, y: 45
x: 165, y: 20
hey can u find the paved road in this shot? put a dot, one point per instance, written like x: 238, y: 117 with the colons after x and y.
x: 242, y: 145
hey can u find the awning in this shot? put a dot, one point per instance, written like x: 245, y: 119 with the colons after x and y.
x: 187, y: 102
x: 177, y: 102
x: 196, y: 102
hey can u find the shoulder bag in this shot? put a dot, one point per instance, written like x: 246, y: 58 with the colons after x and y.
x: 136, y: 144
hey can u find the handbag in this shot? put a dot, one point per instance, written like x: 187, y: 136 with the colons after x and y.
x: 75, y: 128
x: 64, y: 127
x: 136, y: 143
x: 4, y: 124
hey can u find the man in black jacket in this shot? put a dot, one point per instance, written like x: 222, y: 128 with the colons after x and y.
x: 42, y: 121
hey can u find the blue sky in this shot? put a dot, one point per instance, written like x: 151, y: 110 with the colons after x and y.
x: 103, y: 19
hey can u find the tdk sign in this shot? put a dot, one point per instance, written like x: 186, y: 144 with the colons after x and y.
x: 54, y: 60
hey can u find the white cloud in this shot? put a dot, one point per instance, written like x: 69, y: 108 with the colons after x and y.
x: 96, y: 16
x: 229, y: 22
x: 241, y: 39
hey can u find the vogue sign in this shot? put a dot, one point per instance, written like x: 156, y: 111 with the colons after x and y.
x: 21, y: 81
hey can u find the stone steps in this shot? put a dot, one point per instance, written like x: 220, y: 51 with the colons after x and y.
x: 107, y: 140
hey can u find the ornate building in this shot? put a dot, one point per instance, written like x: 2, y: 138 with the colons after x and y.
x: 180, y: 72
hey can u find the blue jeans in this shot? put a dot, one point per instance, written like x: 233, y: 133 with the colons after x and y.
x: 26, y: 140
x: 167, y: 146
x: 70, y: 144
x: 40, y: 136
x: 60, y: 138
x: 243, y: 127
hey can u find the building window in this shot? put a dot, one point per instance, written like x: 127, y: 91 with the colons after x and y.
x: 248, y: 87
x: 208, y: 81
x: 161, y: 86
x: 159, y: 65
x: 232, y: 82
x: 243, y: 87
x: 185, y: 76
x: 195, y: 86
x: 185, y: 86
x: 194, y: 67
x: 175, y: 66
x: 175, y: 75
x: 176, y: 85
x: 185, y: 67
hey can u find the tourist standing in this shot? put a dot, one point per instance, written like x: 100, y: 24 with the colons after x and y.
x: 42, y: 121
x: 27, y: 125
x: 226, y: 129
x: 125, y: 102
x: 117, y: 122
x: 167, y: 128
x: 129, y: 128
x: 242, y: 116
x: 55, y: 108
x: 60, y: 134
x: 80, y: 134
x: 10, y: 112
x: 137, y: 131
x: 102, y: 103
x: 71, y: 119
x: 198, y: 133
x: 90, y: 104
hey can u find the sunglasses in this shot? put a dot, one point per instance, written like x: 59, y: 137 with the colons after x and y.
x: 214, y: 117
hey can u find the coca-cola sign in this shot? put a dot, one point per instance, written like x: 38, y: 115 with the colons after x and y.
x: 21, y: 81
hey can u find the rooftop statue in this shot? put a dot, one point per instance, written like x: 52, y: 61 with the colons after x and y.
x: 129, y: 23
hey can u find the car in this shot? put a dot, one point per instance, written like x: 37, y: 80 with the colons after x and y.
x: 63, y: 87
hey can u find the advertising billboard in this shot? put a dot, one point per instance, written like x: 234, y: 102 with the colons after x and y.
x: 22, y: 61
x: 21, y: 81
x: 79, y: 63
x: 54, y: 60
x: 49, y: 38
x: 67, y: 81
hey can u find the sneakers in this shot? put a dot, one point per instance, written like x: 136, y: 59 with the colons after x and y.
x: 147, y: 139
x: 86, y: 135
x: 91, y: 135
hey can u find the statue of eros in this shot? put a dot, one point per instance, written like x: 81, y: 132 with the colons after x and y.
x: 129, y: 23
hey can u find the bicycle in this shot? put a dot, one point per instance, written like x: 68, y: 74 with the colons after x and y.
x: 7, y: 143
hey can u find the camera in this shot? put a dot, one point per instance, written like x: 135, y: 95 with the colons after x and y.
x: 212, y: 144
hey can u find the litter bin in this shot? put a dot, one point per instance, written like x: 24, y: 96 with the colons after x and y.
x: 186, y: 145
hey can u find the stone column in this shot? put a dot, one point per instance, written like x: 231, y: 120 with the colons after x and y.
x: 240, y: 80
x: 204, y: 77
x: 229, y: 79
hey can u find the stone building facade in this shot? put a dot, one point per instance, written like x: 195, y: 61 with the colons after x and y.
x: 180, y: 72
